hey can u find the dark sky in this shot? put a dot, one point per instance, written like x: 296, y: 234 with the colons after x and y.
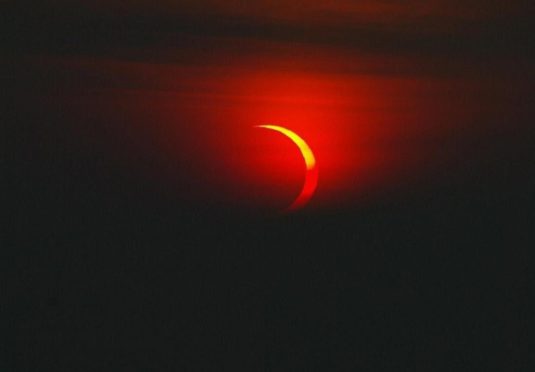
x: 490, y: 31
x: 143, y: 227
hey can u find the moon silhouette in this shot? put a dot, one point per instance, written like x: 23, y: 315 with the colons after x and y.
x: 311, y: 176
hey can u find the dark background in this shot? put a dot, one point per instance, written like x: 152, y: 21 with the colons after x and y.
x: 104, y: 269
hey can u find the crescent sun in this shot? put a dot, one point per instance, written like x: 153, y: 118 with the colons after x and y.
x: 311, y: 176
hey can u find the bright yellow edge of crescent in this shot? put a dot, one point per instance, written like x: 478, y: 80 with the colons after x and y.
x: 310, y: 160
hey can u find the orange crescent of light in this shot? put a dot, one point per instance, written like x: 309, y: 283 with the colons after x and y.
x: 311, y: 177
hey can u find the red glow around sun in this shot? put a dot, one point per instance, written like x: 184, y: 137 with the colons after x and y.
x: 354, y: 123
x: 195, y: 122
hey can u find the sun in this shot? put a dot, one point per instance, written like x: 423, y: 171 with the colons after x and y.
x: 311, y: 177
